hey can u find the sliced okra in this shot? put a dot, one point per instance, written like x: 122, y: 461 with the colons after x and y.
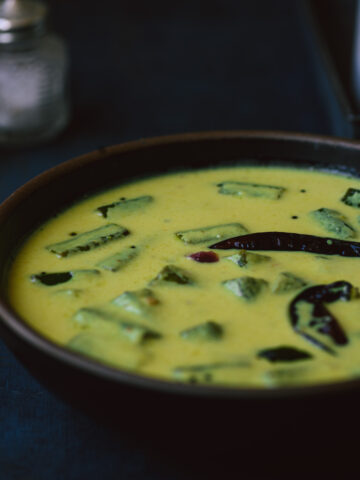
x: 107, y: 349
x: 51, y: 279
x: 88, y: 240
x: 118, y: 260
x: 138, y: 302
x: 247, y: 288
x: 244, y: 189
x: 132, y: 331
x: 69, y: 292
x: 283, y: 354
x: 282, y: 377
x: 123, y: 207
x: 209, y: 234
x: 205, y: 331
x: 248, y: 259
x: 55, y: 278
x: 205, y: 372
x: 137, y: 333
x: 89, y: 316
x: 171, y: 274
x: 333, y: 222
x: 287, y: 282
x: 352, y: 197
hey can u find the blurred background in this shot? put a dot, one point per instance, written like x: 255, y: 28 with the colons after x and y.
x: 136, y: 69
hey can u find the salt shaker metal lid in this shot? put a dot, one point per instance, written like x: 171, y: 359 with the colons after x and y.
x: 19, y: 18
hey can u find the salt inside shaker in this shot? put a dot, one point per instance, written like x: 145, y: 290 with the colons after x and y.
x: 33, y: 70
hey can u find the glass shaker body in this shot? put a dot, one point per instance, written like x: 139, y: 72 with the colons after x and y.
x: 34, y: 103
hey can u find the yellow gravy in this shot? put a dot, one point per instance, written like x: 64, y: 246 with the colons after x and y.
x: 186, y: 325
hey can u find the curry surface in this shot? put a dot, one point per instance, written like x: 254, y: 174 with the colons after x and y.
x: 184, y: 201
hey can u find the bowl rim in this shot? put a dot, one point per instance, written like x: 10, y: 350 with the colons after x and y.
x: 18, y: 327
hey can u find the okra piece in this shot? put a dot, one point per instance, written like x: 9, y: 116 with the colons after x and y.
x: 138, y: 333
x: 107, y: 349
x: 132, y: 331
x: 138, y: 302
x: 123, y: 207
x: 352, y: 198
x: 171, y: 274
x: 291, y: 242
x: 56, y: 278
x: 205, y: 331
x: 286, y: 282
x: 205, y: 372
x: 69, y: 292
x: 209, y: 234
x: 88, y: 240
x: 333, y: 222
x: 282, y: 377
x: 283, y: 354
x: 51, y: 279
x: 89, y: 316
x: 248, y: 259
x: 247, y: 288
x: 244, y: 189
x: 119, y: 260
x: 310, y: 318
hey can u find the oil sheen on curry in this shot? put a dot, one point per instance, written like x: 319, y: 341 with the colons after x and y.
x: 241, y: 276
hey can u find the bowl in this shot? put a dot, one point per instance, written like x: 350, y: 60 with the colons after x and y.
x: 133, y: 401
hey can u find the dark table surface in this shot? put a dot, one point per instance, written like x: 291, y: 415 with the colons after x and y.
x: 140, y: 69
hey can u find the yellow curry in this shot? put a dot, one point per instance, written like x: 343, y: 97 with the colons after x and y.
x: 143, y: 277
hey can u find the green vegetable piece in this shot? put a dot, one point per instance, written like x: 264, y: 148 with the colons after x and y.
x: 134, y: 332
x: 138, y: 333
x: 282, y: 377
x: 333, y: 222
x: 88, y: 240
x: 108, y: 349
x: 86, y: 317
x: 55, y: 278
x: 352, y: 198
x: 284, y: 354
x: 51, y: 279
x: 171, y: 274
x: 69, y: 292
x: 86, y: 273
x: 119, y: 260
x: 205, y: 373
x: 138, y: 302
x: 248, y: 259
x: 244, y: 189
x: 210, y: 234
x: 287, y: 282
x: 123, y: 207
x: 205, y: 331
x: 247, y: 288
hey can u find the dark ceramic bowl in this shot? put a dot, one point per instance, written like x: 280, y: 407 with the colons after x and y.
x: 132, y: 399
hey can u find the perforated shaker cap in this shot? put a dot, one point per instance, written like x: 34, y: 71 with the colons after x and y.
x: 19, y: 17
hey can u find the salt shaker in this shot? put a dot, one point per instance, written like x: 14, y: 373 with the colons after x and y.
x: 33, y: 71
